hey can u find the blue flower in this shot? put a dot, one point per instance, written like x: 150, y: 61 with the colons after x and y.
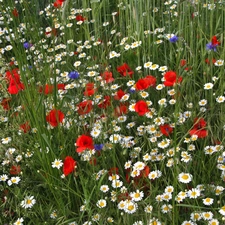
x: 98, y: 147
x: 27, y: 45
x: 132, y: 90
x: 211, y: 46
x: 173, y: 39
x: 73, y: 75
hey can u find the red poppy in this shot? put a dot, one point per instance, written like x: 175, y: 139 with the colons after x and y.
x: 215, y: 41
x: 166, y: 129
x: 80, y: 18
x: 15, y: 12
x: 171, y: 78
x: 25, y: 127
x: 125, y: 70
x: 68, y: 165
x: 58, y: 3
x: 89, y: 89
x: 84, y: 107
x: 198, y: 129
x: 105, y: 103
x: 13, y: 76
x: 121, y: 110
x: 13, y: 89
x: 5, y: 103
x: 61, y: 86
x: 14, y: 170
x: 144, y: 173
x: 145, y: 83
x: 84, y: 142
x: 107, y: 76
x: 141, y: 107
x: 119, y: 94
x: 183, y: 62
x: 48, y: 89
x: 208, y: 61
x: 55, y: 117
x: 15, y: 85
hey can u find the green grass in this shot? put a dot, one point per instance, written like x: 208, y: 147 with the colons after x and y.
x: 107, y: 186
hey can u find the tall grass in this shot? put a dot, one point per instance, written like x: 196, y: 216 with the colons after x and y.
x: 131, y: 174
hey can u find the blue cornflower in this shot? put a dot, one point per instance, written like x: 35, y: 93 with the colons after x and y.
x: 73, y: 75
x: 98, y: 147
x: 173, y: 39
x: 27, y: 45
x: 211, y: 46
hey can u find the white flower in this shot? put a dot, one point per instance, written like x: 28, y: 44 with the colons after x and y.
x: 194, y: 193
x: 117, y: 183
x: 6, y: 140
x: 104, y: 188
x: 220, y: 99
x: 219, y: 62
x: 57, y: 163
x: 137, y: 195
x: 185, y: 178
x: 115, y: 138
x: 28, y: 202
x: 101, y: 203
x: 208, y: 86
x: 3, y: 177
x: 154, y: 67
x: 147, y: 64
x: 19, y: 221
x: 130, y: 207
x: 13, y: 180
x: 222, y: 211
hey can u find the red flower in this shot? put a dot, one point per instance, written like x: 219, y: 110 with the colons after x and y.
x: 55, y: 117
x: 15, y: 12
x: 119, y: 94
x: 58, y: 3
x: 61, y: 86
x: 84, y: 142
x: 80, y: 18
x: 145, y: 83
x: 198, y: 129
x: 84, y: 107
x: 105, y: 103
x: 5, y: 103
x: 25, y: 127
x: 15, y: 85
x: 124, y: 70
x: 141, y: 107
x: 14, y: 170
x: 144, y: 173
x: 13, y: 89
x: 208, y: 61
x: 183, y: 62
x: 121, y: 110
x: 89, y: 89
x: 171, y: 78
x: 215, y: 41
x: 13, y: 75
x: 68, y: 165
x: 48, y: 89
x: 166, y: 129
x: 107, y: 76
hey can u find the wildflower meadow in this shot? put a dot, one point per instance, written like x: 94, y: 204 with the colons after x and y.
x: 112, y: 112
